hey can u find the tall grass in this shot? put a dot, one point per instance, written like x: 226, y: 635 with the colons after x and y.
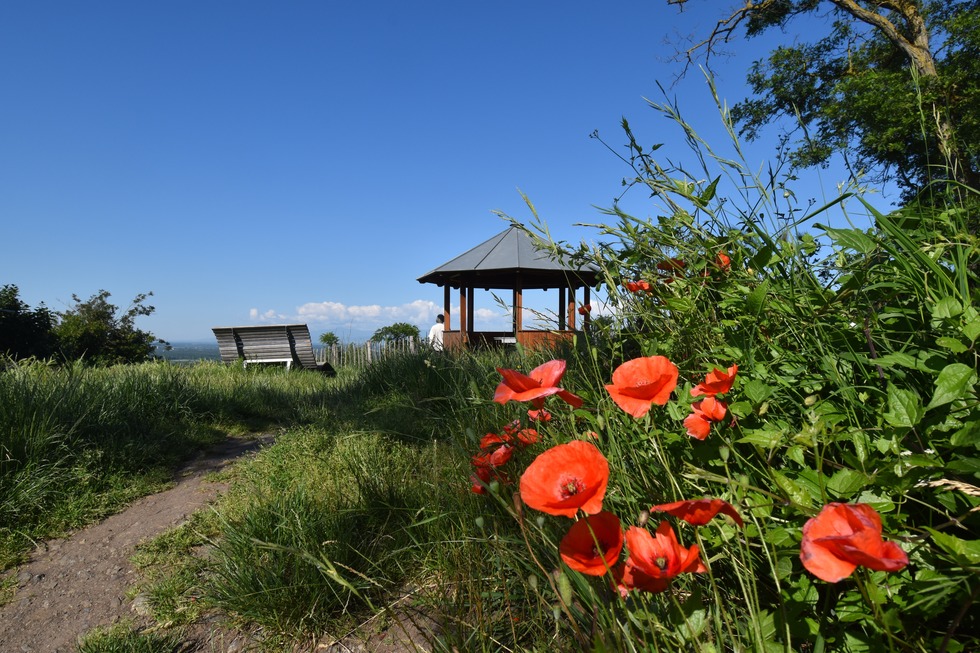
x: 78, y: 442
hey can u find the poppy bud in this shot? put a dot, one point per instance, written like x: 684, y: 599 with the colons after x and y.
x: 644, y: 518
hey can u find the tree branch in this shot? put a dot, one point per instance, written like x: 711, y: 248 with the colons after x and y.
x: 916, y: 49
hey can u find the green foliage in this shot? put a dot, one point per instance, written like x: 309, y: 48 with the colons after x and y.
x: 396, y: 331
x: 857, y: 383
x: 329, y: 339
x: 95, y: 331
x: 24, y: 332
x: 832, y: 88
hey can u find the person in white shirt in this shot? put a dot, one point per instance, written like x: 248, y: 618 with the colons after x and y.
x: 435, y: 333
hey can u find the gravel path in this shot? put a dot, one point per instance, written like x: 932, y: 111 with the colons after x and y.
x: 72, y: 585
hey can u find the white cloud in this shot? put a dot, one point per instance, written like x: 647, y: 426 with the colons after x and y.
x: 267, y: 316
x: 360, y: 321
x: 354, y: 319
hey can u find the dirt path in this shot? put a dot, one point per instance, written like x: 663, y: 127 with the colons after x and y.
x: 75, y: 584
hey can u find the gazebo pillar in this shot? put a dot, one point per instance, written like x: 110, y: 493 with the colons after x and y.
x: 446, y: 305
x: 470, y: 312
x: 585, y: 301
x: 463, y: 317
x: 518, y: 304
x: 561, y: 308
x: 571, y: 308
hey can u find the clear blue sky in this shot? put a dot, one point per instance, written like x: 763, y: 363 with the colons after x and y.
x: 308, y: 160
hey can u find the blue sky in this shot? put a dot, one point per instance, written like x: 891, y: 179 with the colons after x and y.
x: 306, y: 161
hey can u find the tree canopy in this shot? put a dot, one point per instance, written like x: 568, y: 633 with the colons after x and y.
x: 396, y: 331
x: 24, y: 332
x: 94, y: 330
x: 892, y: 85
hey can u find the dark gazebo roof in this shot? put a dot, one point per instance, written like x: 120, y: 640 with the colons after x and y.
x: 503, y: 260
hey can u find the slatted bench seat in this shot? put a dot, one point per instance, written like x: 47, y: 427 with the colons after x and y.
x: 282, y: 343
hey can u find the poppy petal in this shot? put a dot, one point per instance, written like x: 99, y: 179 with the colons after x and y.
x: 565, y: 479
x: 699, y: 512
x: 548, y: 374
x: 697, y: 426
x: 592, y: 545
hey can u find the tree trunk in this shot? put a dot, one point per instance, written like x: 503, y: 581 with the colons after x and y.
x: 916, y: 49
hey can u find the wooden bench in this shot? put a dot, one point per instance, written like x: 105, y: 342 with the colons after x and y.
x: 282, y: 343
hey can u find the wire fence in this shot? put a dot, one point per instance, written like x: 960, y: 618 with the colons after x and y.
x: 362, y: 355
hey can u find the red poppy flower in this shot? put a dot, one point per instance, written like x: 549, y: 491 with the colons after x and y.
x: 627, y: 577
x: 703, y: 413
x: 592, y: 545
x: 641, y: 382
x: 716, y: 382
x: 699, y: 511
x: 674, y: 265
x: 723, y: 261
x: 499, y: 456
x: 566, y: 478
x: 585, y: 309
x: 527, y: 436
x: 539, y: 415
x: 541, y: 383
x: 492, y: 440
x: 637, y: 286
x: 479, y: 479
x: 844, y: 536
x: 654, y: 561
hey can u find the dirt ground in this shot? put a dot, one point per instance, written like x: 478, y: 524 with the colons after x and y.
x: 72, y: 585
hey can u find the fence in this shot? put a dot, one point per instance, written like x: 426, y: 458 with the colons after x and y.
x: 362, y: 355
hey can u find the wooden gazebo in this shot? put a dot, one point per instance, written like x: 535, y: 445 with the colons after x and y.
x: 510, y: 261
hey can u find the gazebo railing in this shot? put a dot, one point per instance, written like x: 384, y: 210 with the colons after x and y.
x: 532, y: 339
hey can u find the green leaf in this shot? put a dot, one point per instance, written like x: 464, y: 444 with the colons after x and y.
x: 967, y: 436
x: 845, y: 482
x: 972, y: 329
x: 899, y: 359
x: 879, y: 503
x: 965, y: 465
x: 952, y: 344
x: 946, y: 307
x: 853, y: 239
x: 796, y: 492
x: 953, y: 383
x: 966, y: 552
x: 756, y: 299
x: 740, y: 409
x: 709, y: 192
x: 763, y: 438
x: 903, y: 407
x: 757, y: 391
x: 680, y: 304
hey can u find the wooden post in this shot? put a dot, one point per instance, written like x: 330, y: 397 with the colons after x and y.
x: 470, y: 312
x: 588, y: 315
x: 561, y: 308
x: 463, y: 305
x: 446, y: 303
x: 518, y: 308
x: 571, y: 308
